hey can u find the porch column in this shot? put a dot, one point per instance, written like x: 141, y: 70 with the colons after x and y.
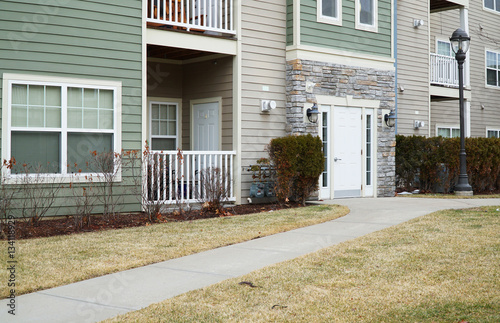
x: 464, y: 24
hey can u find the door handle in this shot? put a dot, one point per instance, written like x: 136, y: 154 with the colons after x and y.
x: 335, y: 159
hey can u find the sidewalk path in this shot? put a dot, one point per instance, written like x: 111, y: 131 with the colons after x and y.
x: 107, y: 296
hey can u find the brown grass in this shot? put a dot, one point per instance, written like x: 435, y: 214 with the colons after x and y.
x: 443, y: 267
x: 48, y: 262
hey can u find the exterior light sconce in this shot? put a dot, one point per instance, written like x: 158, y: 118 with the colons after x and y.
x: 268, y: 105
x: 417, y: 23
x: 390, y: 119
x: 313, y: 113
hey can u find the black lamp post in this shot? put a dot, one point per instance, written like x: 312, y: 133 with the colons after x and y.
x: 460, y: 44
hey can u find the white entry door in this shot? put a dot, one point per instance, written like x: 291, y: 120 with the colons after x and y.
x: 347, y: 152
x: 206, y: 126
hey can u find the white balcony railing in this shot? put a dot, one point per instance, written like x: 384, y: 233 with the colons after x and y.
x: 181, y: 176
x: 199, y: 15
x: 444, y: 70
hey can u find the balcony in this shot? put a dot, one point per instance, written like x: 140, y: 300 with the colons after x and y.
x: 208, y: 16
x: 174, y: 177
x: 444, y: 70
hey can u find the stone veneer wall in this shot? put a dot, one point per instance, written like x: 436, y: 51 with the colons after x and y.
x: 340, y: 81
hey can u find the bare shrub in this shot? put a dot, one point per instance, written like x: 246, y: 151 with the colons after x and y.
x: 107, y: 166
x: 85, y: 200
x: 37, y: 193
x: 7, y: 193
x: 215, y: 184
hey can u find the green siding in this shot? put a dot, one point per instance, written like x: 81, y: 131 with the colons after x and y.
x: 94, y: 39
x: 289, y: 22
x: 346, y: 37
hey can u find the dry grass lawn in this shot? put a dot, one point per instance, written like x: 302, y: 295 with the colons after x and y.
x: 444, y: 267
x: 48, y: 262
x: 451, y: 196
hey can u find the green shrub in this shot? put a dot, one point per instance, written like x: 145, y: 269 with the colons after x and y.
x: 425, y: 158
x: 299, y: 162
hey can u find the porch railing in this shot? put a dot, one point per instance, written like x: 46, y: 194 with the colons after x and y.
x: 180, y: 176
x: 444, y: 70
x: 198, y: 15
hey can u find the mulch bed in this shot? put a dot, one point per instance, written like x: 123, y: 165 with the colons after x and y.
x: 66, y: 225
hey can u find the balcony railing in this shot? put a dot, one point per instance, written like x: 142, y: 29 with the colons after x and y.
x: 188, y: 176
x: 214, y: 16
x: 444, y: 70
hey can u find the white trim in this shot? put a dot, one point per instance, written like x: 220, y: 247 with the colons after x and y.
x: 366, y: 27
x: 486, y: 50
x: 296, y: 22
x: 328, y: 19
x: 217, y: 100
x: 367, y: 107
x: 496, y: 11
x: 64, y: 83
x: 340, y: 57
x: 191, y: 41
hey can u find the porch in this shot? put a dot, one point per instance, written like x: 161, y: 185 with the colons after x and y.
x: 208, y: 16
x: 183, y: 177
x: 444, y: 70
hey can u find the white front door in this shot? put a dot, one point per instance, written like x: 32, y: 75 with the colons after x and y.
x: 347, y: 152
x: 206, y: 126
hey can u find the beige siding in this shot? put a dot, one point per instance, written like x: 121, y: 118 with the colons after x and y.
x: 413, y: 67
x: 444, y: 113
x: 263, y: 65
x: 489, y: 117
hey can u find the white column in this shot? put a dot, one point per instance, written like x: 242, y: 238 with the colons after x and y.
x: 464, y: 24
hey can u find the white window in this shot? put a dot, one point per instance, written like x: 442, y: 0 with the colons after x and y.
x: 163, y: 126
x: 367, y: 15
x: 493, y: 68
x: 444, y: 48
x: 448, y: 132
x: 492, y: 4
x: 330, y: 11
x: 493, y: 133
x: 54, y: 125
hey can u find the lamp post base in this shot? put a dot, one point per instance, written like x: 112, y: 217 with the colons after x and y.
x: 463, y: 193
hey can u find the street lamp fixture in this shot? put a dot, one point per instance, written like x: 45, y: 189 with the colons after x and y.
x: 313, y: 113
x: 460, y: 44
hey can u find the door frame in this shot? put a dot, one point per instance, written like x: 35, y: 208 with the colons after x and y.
x: 192, y: 103
x: 365, y: 106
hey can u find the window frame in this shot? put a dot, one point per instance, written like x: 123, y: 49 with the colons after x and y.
x: 443, y: 40
x: 486, y: 69
x: 177, y: 123
x: 362, y: 26
x: 494, y: 130
x: 64, y: 83
x: 494, y: 10
x: 449, y: 127
x: 328, y: 19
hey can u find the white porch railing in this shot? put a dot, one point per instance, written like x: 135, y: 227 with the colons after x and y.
x: 444, y: 70
x: 178, y: 177
x: 200, y: 15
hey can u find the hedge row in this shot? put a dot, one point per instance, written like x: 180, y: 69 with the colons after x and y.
x: 432, y: 164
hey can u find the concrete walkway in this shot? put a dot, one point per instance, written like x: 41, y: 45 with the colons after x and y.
x: 105, y: 297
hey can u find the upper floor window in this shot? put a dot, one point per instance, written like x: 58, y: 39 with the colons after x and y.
x: 56, y: 125
x: 492, y: 4
x: 330, y: 11
x: 444, y: 48
x: 367, y: 15
x: 493, y: 68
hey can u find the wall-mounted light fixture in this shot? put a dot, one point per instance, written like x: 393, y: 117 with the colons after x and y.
x: 417, y: 23
x: 418, y: 124
x: 390, y: 119
x: 268, y: 105
x: 313, y: 113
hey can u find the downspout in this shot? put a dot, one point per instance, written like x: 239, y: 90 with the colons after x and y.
x: 395, y: 40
